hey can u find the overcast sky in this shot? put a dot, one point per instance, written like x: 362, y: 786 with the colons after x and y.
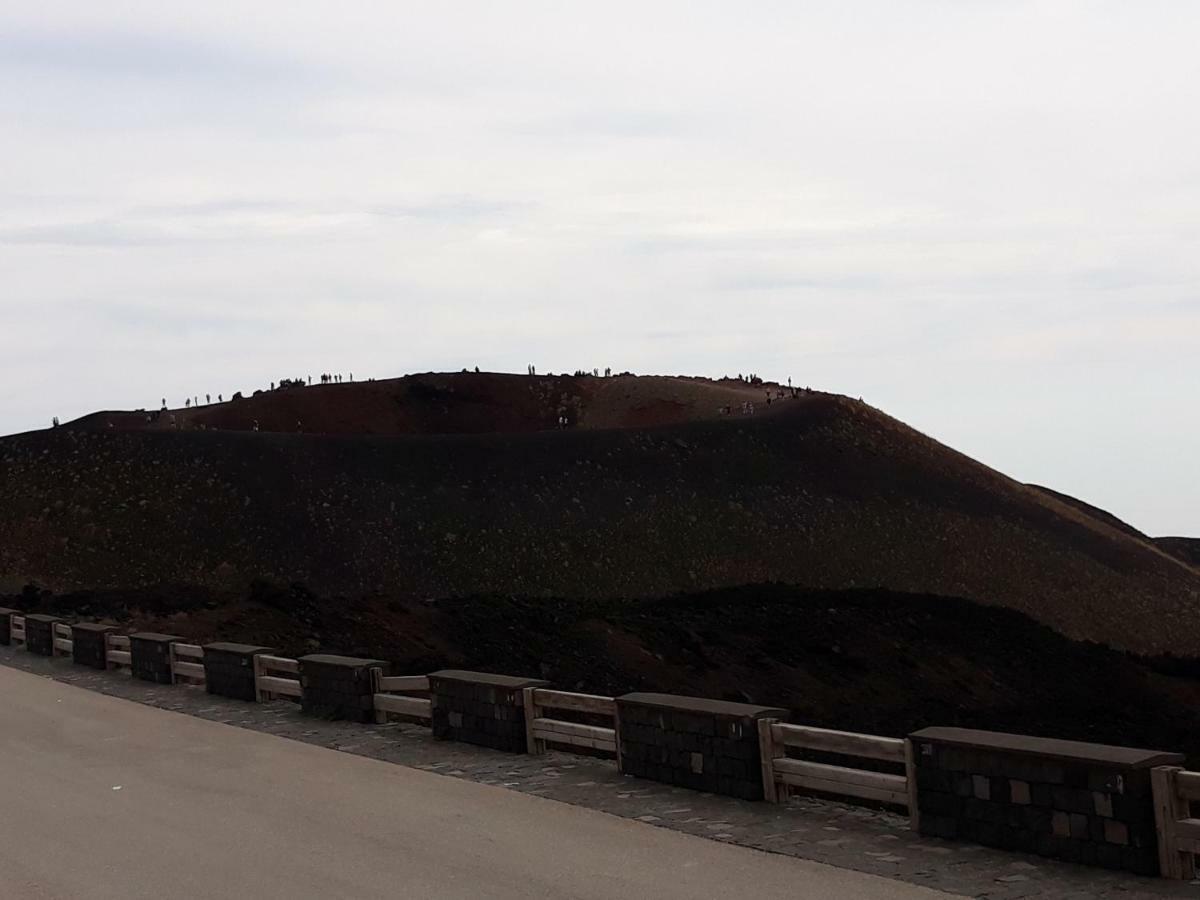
x: 982, y: 217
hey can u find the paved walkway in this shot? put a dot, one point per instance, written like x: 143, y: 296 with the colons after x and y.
x: 840, y: 835
x: 109, y: 800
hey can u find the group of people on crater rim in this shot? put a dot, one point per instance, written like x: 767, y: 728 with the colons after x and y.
x: 579, y: 373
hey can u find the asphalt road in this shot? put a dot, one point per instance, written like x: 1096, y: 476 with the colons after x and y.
x: 103, y: 798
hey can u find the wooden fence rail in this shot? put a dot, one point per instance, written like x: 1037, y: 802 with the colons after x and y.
x: 406, y: 696
x: 117, y: 652
x: 269, y: 680
x: 780, y: 772
x: 541, y: 729
x: 187, y: 663
x: 17, y: 630
x: 1175, y: 790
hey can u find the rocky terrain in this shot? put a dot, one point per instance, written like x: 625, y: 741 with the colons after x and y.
x: 650, y: 492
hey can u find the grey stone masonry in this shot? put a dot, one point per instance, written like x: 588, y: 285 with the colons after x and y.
x: 1084, y: 803
x: 479, y: 708
x: 6, y: 615
x: 39, y: 634
x: 150, y: 656
x: 339, y: 687
x: 706, y: 745
x: 90, y: 644
x: 229, y: 670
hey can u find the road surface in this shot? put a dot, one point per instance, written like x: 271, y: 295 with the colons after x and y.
x: 103, y: 798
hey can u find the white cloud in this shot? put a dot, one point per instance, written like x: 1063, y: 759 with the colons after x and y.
x: 941, y: 206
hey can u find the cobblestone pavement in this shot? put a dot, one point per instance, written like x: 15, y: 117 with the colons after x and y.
x: 828, y: 832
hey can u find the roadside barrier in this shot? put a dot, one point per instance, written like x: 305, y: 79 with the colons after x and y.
x: 62, y: 639
x: 782, y: 773
x: 270, y: 677
x: 1175, y: 790
x: 405, y: 696
x: 542, y: 729
x: 187, y: 664
x: 119, y: 655
x: 1116, y: 807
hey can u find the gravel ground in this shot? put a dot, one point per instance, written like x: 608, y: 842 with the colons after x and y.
x: 850, y: 837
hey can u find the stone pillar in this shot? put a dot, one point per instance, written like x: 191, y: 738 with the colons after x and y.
x: 150, y: 656
x: 89, y: 644
x: 479, y: 708
x: 706, y: 745
x: 339, y: 687
x: 1085, y: 803
x: 6, y: 615
x: 229, y: 670
x: 39, y: 634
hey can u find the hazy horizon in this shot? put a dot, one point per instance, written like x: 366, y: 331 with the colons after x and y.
x: 980, y: 217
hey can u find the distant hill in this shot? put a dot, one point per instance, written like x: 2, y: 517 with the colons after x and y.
x: 469, y: 488
x: 1187, y: 549
x: 1094, y: 511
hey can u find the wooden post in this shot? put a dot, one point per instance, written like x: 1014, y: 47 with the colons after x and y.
x: 617, y: 736
x: 533, y: 745
x: 376, y: 677
x: 260, y: 696
x: 766, y: 755
x: 910, y: 772
x: 1169, y: 809
x: 171, y: 661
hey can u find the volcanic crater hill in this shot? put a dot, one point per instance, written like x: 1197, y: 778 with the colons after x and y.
x: 455, y: 403
x: 821, y: 492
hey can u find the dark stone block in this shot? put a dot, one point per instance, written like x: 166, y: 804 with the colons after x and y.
x: 489, y: 711
x: 229, y: 670
x: 1041, y: 795
x: 89, y: 644
x: 150, y: 656
x: 1084, y: 803
x: 339, y: 687
x: 697, y: 743
x: 39, y: 634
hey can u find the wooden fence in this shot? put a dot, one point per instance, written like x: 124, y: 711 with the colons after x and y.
x: 117, y: 652
x: 17, y: 630
x: 270, y: 677
x: 541, y: 729
x: 781, y: 772
x: 63, y: 645
x: 1175, y: 790
x: 404, y: 696
x: 187, y: 664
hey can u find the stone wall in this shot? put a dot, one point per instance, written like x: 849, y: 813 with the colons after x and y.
x: 39, y: 634
x: 1085, y: 803
x: 706, y: 745
x: 150, y: 656
x: 90, y: 644
x: 6, y: 615
x: 479, y: 708
x: 339, y: 687
x: 229, y: 670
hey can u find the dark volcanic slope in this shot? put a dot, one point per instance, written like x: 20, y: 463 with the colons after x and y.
x: 823, y: 492
x: 1187, y: 549
x: 1094, y: 511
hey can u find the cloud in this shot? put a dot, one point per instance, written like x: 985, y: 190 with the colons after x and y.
x: 920, y: 204
x: 85, y: 53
